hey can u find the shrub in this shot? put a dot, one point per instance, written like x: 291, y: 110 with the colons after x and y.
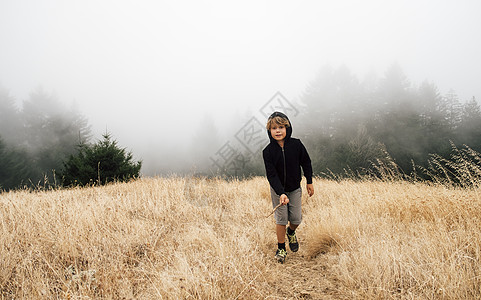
x: 100, y: 163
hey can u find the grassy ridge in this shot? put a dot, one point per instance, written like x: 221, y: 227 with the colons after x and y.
x: 181, y: 237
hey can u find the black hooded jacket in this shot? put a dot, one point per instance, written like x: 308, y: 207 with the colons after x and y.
x: 283, y: 165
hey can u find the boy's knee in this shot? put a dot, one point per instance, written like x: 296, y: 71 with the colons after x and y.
x: 281, y: 220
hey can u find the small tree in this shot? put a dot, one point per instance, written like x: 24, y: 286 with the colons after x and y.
x: 100, y: 163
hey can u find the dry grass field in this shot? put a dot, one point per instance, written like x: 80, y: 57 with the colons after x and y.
x: 188, y: 238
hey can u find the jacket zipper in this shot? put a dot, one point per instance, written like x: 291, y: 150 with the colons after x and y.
x: 284, y: 158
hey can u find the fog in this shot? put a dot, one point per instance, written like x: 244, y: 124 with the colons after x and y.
x: 154, y: 73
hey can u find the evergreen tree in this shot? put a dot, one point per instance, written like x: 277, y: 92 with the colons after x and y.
x: 14, y: 167
x: 100, y: 163
x: 436, y: 128
x: 332, y: 100
x: 10, y: 125
x: 394, y: 91
x: 363, y: 150
x: 51, y: 132
x: 452, y: 109
x: 469, y: 130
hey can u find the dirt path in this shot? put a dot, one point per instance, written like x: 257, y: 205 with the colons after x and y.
x: 306, y: 278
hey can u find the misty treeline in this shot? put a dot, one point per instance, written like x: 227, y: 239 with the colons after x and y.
x: 354, y: 127
x: 350, y: 126
x: 37, y: 138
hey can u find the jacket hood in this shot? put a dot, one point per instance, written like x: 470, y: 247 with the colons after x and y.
x: 288, y: 129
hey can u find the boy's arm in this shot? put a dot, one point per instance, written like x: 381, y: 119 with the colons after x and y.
x: 307, y: 168
x: 271, y: 174
x: 306, y: 164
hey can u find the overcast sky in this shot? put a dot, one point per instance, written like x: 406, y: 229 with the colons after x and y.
x: 164, y: 64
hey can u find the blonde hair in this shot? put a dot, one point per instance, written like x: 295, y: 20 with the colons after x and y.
x: 277, y: 120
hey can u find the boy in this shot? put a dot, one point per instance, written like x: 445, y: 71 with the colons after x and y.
x: 283, y: 158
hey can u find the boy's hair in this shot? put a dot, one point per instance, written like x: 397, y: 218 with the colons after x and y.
x: 277, y: 119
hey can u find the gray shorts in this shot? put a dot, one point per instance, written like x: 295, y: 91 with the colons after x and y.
x: 291, y: 212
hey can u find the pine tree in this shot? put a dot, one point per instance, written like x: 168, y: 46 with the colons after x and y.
x: 51, y: 132
x: 10, y: 124
x: 452, y: 108
x: 470, y: 127
x: 14, y: 167
x: 100, y: 163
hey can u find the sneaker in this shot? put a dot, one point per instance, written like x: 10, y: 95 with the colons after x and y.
x: 293, y: 243
x: 281, y: 255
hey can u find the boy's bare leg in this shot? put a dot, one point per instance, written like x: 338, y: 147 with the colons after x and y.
x: 281, y: 233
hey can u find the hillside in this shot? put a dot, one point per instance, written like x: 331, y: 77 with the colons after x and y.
x: 171, y: 238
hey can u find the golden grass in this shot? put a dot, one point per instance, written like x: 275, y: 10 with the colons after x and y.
x: 185, y: 238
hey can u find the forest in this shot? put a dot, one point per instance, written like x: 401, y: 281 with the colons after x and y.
x: 349, y: 125
x: 36, y: 139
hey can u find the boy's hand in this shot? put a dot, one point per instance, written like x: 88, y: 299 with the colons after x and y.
x: 310, y: 189
x: 283, y: 200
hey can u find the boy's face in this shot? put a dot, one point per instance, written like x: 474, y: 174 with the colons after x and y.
x: 278, y: 132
